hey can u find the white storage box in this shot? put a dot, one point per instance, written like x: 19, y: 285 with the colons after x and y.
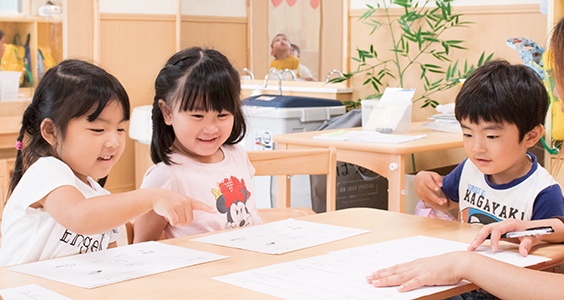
x: 263, y: 122
x: 9, y: 85
x: 281, y: 115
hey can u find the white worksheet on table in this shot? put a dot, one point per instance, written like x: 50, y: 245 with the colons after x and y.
x: 116, y: 264
x: 341, y: 274
x: 30, y: 292
x: 281, y: 236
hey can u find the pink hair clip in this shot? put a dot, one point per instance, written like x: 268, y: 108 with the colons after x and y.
x: 19, y: 145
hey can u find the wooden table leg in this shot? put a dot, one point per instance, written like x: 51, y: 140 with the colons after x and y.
x: 396, y: 184
x: 391, y: 166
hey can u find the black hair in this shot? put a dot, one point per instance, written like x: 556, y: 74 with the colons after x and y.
x: 280, y: 34
x: 69, y: 90
x: 195, y: 79
x: 499, y: 91
x: 1, y: 34
x: 296, y: 47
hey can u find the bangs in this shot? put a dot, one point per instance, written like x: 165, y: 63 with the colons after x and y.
x: 209, y: 87
x: 99, y: 93
x: 477, y: 111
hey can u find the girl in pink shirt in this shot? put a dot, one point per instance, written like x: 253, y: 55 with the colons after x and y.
x: 197, y: 123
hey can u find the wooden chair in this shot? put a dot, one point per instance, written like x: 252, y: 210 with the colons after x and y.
x: 284, y: 163
x: 128, y: 233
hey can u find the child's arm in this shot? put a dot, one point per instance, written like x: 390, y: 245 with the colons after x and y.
x: 495, y: 230
x: 489, y: 274
x: 148, y: 227
x: 428, y: 188
x: 98, y: 214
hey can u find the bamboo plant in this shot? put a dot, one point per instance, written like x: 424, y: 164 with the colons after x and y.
x: 419, y: 36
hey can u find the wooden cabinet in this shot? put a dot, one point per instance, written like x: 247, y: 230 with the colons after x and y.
x: 44, y: 33
x: 71, y: 36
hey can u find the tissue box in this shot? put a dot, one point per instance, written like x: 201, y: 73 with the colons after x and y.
x: 386, y: 117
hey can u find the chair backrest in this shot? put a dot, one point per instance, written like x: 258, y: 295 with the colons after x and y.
x: 284, y: 163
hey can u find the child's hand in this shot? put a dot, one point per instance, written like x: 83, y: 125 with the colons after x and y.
x: 178, y: 209
x: 428, y: 187
x: 495, y: 230
x: 429, y: 271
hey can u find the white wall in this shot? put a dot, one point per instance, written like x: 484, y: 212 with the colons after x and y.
x: 361, y: 4
x: 160, y: 7
x: 226, y: 8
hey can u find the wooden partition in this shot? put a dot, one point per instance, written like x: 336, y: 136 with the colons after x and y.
x: 134, y: 48
x: 227, y: 35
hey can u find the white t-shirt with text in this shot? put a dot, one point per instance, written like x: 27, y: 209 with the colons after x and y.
x: 31, y: 234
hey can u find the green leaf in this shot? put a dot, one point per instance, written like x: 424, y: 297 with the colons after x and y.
x: 455, y: 68
x: 403, y: 3
x: 427, y: 33
x: 448, y: 73
x: 374, y: 96
x: 371, y: 10
x: 489, y: 58
x: 376, y: 80
x: 458, y: 47
x: 430, y: 39
x: 423, y: 72
x: 437, y: 83
x: 382, y: 72
x: 337, y: 79
x: 430, y: 66
x: 419, y: 39
x: 446, y: 47
x: 436, y: 71
x: 391, y: 75
x: 430, y: 24
x: 481, y: 60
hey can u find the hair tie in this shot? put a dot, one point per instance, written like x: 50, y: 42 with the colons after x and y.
x: 19, y: 145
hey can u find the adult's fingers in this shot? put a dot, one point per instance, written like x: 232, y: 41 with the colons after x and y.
x: 405, y: 278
